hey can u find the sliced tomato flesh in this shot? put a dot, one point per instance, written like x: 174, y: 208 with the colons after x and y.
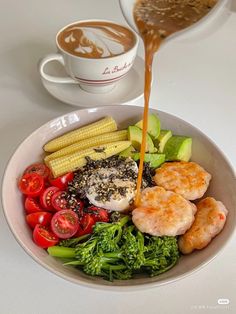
x: 32, y: 205
x: 44, y: 237
x: 59, y: 200
x: 38, y: 168
x: 31, y: 184
x: 65, y: 223
x: 46, y: 198
x: 76, y: 205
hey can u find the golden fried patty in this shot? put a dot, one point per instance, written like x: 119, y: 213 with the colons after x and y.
x: 185, y: 178
x: 162, y: 212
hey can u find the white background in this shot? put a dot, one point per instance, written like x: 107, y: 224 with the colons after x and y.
x: 193, y: 80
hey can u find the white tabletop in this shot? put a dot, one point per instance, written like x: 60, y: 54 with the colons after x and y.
x: 193, y: 80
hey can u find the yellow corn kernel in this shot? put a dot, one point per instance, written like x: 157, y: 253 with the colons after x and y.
x: 104, y: 125
x: 89, y: 142
x: 77, y: 160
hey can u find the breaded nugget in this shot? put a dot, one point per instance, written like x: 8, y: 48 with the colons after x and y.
x: 209, y: 221
x: 185, y: 178
x: 163, y: 212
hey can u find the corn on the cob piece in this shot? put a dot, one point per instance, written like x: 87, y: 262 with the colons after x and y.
x: 77, y: 160
x: 104, y: 125
x: 89, y: 142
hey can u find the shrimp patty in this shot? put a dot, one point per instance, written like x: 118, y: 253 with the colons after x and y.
x: 185, y: 178
x: 162, y: 212
x: 209, y: 221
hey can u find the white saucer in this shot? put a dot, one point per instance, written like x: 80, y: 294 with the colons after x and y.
x: 128, y: 89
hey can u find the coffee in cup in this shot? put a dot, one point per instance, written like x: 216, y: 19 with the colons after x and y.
x: 95, y: 54
x: 96, y: 39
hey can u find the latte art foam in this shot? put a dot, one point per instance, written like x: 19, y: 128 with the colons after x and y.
x: 96, y: 39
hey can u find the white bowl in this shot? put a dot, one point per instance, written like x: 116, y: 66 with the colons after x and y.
x: 205, y: 152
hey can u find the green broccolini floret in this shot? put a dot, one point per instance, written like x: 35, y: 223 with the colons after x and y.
x: 105, y: 265
x: 161, y: 254
x: 109, y: 234
x: 85, y: 251
x: 133, y: 247
x: 74, y: 241
x: 94, y: 265
x: 118, y: 250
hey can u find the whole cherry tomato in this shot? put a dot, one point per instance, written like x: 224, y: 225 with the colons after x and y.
x: 98, y: 213
x: 38, y: 168
x: 62, y: 181
x: 42, y: 218
x: 86, y: 225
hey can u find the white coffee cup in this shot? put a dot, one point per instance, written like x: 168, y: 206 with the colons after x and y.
x: 94, y: 75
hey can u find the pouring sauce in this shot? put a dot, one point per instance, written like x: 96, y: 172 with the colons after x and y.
x: 156, y: 20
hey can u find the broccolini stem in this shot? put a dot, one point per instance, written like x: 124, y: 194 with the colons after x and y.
x: 113, y: 267
x: 163, y: 270
x: 72, y: 242
x: 113, y: 255
x: 74, y: 263
x: 124, y: 220
x: 61, y: 251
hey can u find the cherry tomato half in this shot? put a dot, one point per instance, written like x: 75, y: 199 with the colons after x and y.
x: 38, y: 168
x: 98, y: 213
x: 76, y: 205
x: 62, y: 181
x: 65, y: 223
x: 59, y: 200
x: 46, y: 198
x: 42, y: 218
x: 32, y: 205
x: 86, y: 225
x: 31, y: 184
x: 44, y: 237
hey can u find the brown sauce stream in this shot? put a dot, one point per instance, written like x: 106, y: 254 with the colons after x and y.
x: 156, y: 20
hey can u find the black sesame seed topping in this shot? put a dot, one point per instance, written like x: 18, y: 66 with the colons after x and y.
x: 91, y: 177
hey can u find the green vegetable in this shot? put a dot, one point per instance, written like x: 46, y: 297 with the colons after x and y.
x: 128, y: 152
x: 155, y: 160
x: 133, y: 248
x: 74, y: 241
x: 178, y: 148
x: 162, y: 139
x: 161, y: 255
x: 154, y: 125
x: 84, y: 252
x: 61, y: 251
x: 135, y: 137
x: 109, y: 234
x: 118, y: 250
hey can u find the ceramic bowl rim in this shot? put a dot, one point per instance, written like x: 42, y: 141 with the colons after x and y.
x: 98, y: 286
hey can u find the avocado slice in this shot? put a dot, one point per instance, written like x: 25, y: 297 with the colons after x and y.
x: 178, y: 148
x: 155, y: 160
x: 128, y: 152
x: 135, y: 136
x: 163, y: 137
x: 154, y: 125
